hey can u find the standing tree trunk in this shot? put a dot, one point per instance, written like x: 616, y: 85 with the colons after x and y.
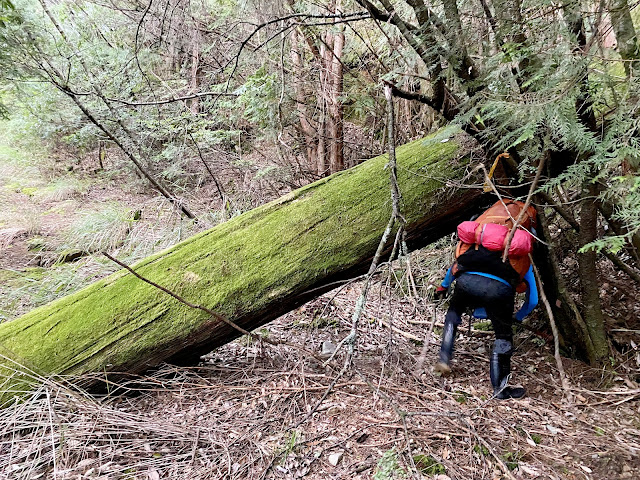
x: 584, y: 102
x: 592, y: 311
x: 307, y: 134
x: 626, y: 38
x: 336, y: 127
x: 324, y: 100
x: 323, y: 137
x: 574, y: 332
x: 195, y: 68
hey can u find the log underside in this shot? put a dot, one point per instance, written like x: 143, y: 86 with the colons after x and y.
x: 251, y: 270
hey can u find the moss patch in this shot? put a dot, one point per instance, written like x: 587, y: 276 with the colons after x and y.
x: 484, y: 326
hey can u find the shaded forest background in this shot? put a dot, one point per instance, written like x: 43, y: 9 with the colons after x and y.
x: 128, y: 126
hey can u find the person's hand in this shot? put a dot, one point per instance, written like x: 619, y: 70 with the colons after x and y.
x: 441, y: 292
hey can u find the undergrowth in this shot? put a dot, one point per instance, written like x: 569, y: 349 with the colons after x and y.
x: 52, y: 232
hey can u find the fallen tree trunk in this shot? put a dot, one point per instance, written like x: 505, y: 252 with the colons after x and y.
x: 251, y: 269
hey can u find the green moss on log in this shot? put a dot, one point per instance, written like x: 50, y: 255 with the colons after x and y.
x: 250, y: 269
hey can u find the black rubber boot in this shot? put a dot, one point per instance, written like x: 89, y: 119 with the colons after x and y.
x: 499, y: 370
x: 446, y: 348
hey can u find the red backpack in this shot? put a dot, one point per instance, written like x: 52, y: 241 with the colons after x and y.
x: 492, y: 228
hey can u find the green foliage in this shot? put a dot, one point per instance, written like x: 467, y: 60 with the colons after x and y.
x: 36, y: 286
x: 4, y: 113
x: 37, y: 111
x: 532, y: 105
x: 7, y: 15
x: 481, y: 449
x: 484, y: 326
x: 461, y: 396
x: 360, y: 100
x: 259, y: 98
x: 388, y: 467
x: 427, y: 465
x: 613, y: 244
x: 62, y: 188
x: 290, y: 446
x: 511, y: 459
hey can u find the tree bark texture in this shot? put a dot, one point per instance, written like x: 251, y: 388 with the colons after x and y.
x: 307, y: 132
x: 336, y: 111
x: 626, y: 38
x: 593, y: 316
x: 251, y: 269
x: 573, y: 331
x: 584, y: 102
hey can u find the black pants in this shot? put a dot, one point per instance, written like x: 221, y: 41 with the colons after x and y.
x: 497, y: 298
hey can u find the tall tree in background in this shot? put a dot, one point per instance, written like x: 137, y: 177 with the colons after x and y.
x: 7, y: 15
x: 322, y: 133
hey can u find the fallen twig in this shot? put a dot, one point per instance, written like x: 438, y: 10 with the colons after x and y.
x: 217, y: 316
x: 554, y: 329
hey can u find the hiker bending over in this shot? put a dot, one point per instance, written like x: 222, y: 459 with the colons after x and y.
x: 486, y: 283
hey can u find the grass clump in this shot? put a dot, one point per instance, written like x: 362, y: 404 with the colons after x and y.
x: 511, y: 459
x: 290, y: 445
x: 21, y: 291
x: 63, y: 188
x: 102, y: 230
x: 481, y: 450
x: 484, y: 326
x: 36, y: 244
x: 461, y: 397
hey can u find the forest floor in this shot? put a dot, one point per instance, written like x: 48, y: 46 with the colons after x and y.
x: 252, y: 410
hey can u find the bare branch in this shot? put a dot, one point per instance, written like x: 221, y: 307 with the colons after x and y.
x: 344, y: 17
x: 523, y: 212
x: 554, y: 328
x: 215, y: 315
x: 174, y: 99
x: 397, y: 92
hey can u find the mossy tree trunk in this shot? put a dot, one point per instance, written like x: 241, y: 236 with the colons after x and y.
x: 250, y: 269
x: 581, y: 322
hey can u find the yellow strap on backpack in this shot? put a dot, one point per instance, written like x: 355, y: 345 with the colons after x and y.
x: 487, y: 186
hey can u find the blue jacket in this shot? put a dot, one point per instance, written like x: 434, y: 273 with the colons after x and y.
x: 531, y: 294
